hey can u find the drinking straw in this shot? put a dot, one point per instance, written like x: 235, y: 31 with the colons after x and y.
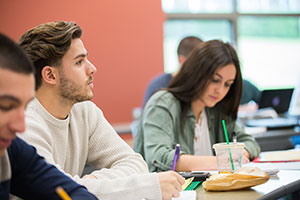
x: 226, y: 136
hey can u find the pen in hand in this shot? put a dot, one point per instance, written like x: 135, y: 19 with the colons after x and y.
x: 176, y: 155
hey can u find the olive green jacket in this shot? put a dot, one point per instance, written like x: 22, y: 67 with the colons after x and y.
x: 158, y: 131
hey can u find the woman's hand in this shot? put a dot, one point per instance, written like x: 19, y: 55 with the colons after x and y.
x: 246, y: 156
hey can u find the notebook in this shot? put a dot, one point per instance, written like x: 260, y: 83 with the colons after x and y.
x: 279, y: 99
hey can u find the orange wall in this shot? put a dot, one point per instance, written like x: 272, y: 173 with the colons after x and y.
x: 124, y: 39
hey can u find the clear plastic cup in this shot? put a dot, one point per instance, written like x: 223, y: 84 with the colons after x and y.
x: 229, y: 156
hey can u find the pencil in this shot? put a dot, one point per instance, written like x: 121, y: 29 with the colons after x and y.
x: 63, y: 195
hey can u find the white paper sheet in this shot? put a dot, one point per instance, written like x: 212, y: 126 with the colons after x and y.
x: 186, y: 195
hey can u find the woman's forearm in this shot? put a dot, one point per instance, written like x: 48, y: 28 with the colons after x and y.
x: 196, y: 163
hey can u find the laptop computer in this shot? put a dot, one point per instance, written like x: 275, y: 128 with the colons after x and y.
x: 279, y: 100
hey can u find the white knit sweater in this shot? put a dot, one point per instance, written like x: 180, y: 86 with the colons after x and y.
x: 83, y: 137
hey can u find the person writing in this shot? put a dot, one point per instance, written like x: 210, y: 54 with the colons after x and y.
x: 190, y: 111
x: 71, y: 131
x: 23, y: 172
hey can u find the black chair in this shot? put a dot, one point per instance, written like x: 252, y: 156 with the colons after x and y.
x: 290, y: 191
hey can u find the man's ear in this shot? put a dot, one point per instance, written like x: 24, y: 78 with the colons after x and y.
x: 49, y: 74
x: 181, y: 59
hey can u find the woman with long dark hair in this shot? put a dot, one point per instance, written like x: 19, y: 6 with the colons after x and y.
x: 190, y: 111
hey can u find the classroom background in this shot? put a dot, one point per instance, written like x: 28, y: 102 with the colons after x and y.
x: 132, y: 41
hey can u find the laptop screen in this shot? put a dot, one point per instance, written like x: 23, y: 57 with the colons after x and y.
x: 279, y: 99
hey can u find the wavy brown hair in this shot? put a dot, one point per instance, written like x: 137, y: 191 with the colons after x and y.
x: 47, y: 43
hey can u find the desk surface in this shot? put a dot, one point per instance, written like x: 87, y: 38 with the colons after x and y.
x: 288, y: 132
x: 276, y: 139
x: 284, y: 177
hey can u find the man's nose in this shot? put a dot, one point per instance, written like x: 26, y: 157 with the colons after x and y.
x: 18, y: 122
x: 91, y: 68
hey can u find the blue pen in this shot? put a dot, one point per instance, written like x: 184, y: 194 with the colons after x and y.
x: 177, y: 151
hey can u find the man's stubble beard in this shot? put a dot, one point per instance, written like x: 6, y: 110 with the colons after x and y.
x: 72, y: 92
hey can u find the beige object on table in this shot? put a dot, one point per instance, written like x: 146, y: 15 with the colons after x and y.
x: 245, y: 177
x: 286, y: 155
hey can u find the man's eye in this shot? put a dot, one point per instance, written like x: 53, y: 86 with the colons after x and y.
x: 79, y: 62
x: 6, y: 107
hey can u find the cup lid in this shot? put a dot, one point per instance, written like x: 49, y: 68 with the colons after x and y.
x: 231, y: 144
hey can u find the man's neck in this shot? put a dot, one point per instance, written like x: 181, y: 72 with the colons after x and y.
x: 53, y: 103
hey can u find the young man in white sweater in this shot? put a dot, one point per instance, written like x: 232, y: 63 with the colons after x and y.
x: 70, y: 131
x: 23, y: 172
